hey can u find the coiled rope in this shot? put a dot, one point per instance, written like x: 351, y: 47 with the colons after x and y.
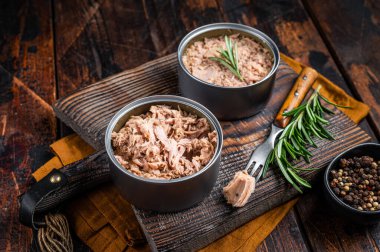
x: 55, y: 237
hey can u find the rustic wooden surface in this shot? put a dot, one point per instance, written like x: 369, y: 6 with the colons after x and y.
x: 90, y: 108
x: 48, y: 48
x: 213, y: 218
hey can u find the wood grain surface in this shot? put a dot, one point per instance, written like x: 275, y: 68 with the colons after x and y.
x: 194, y: 228
x: 359, y: 64
x: 53, y: 47
x: 89, y: 110
x: 86, y: 56
x: 27, y: 121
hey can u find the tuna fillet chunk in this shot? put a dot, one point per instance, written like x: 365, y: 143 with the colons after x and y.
x: 164, y: 143
x: 255, y: 61
x: 240, y: 188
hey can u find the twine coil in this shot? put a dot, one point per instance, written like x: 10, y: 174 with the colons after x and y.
x: 55, y: 237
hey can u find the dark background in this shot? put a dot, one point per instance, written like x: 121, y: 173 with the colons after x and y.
x: 49, y: 48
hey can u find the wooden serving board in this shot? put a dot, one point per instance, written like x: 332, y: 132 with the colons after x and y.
x: 89, y: 110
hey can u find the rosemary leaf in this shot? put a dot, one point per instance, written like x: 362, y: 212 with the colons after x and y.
x: 334, y: 104
x: 225, y: 63
x: 306, y: 123
x: 229, y: 58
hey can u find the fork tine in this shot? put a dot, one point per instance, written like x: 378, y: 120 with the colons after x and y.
x: 260, y: 154
x: 260, y: 173
x: 250, y: 162
x: 257, y: 165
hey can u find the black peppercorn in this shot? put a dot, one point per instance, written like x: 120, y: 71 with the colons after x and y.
x: 357, y: 182
x: 336, y: 191
x: 348, y: 198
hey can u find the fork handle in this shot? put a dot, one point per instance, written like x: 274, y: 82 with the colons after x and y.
x: 296, y: 95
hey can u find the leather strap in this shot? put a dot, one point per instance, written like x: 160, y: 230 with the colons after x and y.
x: 36, y: 194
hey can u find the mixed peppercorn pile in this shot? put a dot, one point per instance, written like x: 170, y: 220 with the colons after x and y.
x: 357, y: 182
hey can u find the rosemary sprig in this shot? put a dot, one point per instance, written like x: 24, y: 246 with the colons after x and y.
x: 307, y: 122
x: 229, y: 58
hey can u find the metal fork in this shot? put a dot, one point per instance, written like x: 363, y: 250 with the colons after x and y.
x: 302, y: 85
x: 259, y: 156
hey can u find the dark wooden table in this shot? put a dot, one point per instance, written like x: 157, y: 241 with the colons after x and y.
x: 49, y: 48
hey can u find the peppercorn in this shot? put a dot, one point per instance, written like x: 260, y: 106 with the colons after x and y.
x: 336, y: 190
x: 356, y: 181
x: 365, y: 161
x: 348, y: 198
x: 343, y: 162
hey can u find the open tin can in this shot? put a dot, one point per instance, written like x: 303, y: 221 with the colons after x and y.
x: 227, y: 103
x: 159, y: 194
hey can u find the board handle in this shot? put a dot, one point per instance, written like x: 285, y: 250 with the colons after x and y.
x: 61, y: 185
x: 296, y: 95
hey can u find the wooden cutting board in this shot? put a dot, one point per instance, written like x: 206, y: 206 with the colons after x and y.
x: 89, y: 110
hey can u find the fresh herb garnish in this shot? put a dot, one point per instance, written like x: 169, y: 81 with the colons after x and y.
x: 307, y: 122
x: 229, y: 58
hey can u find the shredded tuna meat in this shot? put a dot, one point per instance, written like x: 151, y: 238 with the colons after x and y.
x: 255, y: 61
x: 164, y: 143
x: 240, y: 188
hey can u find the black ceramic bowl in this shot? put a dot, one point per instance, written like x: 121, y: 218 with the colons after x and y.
x: 158, y: 194
x: 346, y: 211
x: 227, y: 103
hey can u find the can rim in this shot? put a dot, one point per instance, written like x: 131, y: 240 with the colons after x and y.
x: 229, y: 26
x: 162, y: 99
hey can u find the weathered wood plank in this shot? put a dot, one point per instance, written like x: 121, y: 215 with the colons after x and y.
x: 109, y: 36
x: 198, y: 226
x: 290, y: 26
x: 95, y: 39
x: 327, y: 231
x: 286, y: 21
x: 27, y: 122
x: 26, y: 45
x: 174, y: 25
x: 296, y: 35
x: 89, y: 110
x: 167, y: 22
x: 351, y: 30
x: 285, y: 237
